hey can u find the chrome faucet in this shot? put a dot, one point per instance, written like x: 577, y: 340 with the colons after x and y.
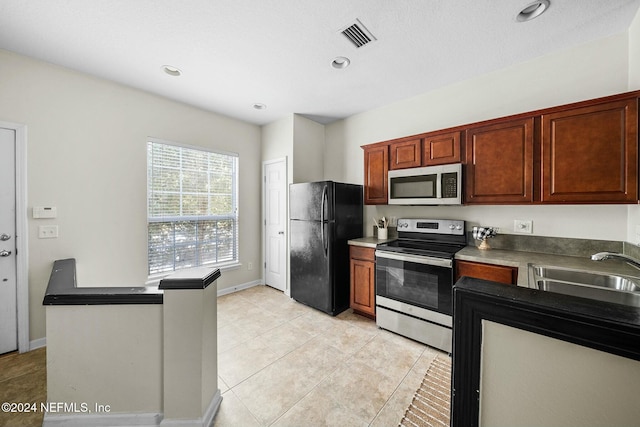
x: 601, y: 256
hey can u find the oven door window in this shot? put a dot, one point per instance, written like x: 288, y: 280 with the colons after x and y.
x: 425, y: 286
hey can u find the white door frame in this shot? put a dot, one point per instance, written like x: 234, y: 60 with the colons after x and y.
x: 264, y: 216
x: 22, y: 235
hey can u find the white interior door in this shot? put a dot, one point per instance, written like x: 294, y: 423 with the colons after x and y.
x: 275, y: 223
x: 8, y: 268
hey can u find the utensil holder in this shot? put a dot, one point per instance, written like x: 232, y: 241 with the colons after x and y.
x: 382, y: 234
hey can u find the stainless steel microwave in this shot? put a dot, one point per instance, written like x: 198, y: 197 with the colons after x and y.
x: 430, y: 185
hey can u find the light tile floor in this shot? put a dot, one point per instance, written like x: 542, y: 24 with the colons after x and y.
x: 282, y: 363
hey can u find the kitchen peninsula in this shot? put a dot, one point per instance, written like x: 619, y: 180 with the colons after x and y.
x: 132, y: 355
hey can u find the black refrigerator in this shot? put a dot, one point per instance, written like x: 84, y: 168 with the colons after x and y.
x: 323, y: 217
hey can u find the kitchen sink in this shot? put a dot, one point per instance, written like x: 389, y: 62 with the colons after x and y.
x: 599, y: 286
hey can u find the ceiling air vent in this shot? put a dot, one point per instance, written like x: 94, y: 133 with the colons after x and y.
x: 358, y: 34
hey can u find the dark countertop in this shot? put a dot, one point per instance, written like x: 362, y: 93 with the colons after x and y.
x: 522, y: 260
x: 603, y: 326
x: 560, y: 304
x: 63, y: 290
x: 192, y: 278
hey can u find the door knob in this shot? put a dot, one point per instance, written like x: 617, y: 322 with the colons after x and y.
x: 5, y: 253
x: 4, y: 237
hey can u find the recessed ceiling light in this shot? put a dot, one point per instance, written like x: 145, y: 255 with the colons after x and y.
x: 533, y: 10
x: 259, y: 106
x: 171, y: 70
x: 340, y: 62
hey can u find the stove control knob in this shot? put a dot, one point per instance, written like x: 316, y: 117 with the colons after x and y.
x: 451, y: 226
x: 458, y: 227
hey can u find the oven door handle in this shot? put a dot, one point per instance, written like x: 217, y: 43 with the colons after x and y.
x: 439, y: 262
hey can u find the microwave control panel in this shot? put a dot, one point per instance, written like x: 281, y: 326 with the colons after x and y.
x: 450, y: 185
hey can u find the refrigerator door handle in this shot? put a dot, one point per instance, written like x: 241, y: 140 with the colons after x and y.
x: 322, y: 220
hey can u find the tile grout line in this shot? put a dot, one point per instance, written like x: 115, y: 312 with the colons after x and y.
x: 400, y: 383
x: 320, y: 382
x: 366, y: 335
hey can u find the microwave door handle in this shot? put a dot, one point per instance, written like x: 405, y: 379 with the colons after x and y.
x: 438, y: 185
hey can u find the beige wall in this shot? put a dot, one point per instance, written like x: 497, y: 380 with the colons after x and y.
x: 308, y: 150
x: 634, y: 53
x: 301, y: 141
x: 592, y: 70
x: 277, y: 142
x: 116, y: 368
x: 86, y: 155
x: 532, y: 380
x: 634, y: 84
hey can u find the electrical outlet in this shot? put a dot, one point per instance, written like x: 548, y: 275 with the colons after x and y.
x: 47, y: 231
x: 523, y: 226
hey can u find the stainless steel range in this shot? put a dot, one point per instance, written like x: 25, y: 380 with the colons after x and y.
x: 414, y: 280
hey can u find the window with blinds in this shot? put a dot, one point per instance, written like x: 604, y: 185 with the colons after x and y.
x: 192, y: 205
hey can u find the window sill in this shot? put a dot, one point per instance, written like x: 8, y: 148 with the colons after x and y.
x: 155, y: 279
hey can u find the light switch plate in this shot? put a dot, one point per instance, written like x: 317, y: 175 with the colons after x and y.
x: 47, y: 232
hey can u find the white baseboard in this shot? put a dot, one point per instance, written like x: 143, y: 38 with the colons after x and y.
x: 102, y: 420
x: 205, y: 421
x: 132, y: 420
x: 37, y: 343
x: 237, y: 288
x: 212, y: 410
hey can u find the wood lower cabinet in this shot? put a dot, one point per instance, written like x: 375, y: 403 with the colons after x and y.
x: 590, y: 154
x: 363, y: 283
x: 441, y: 149
x: 376, y: 169
x: 496, y: 273
x: 406, y: 154
x: 500, y: 166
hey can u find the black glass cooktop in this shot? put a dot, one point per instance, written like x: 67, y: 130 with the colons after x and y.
x: 421, y: 247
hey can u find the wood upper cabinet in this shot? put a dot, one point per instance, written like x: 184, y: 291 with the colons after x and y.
x: 441, y: 149
x: 499, y: 163
x: 586, y: 152
x: 590, y: 154
x: 406, y: 154
x: 376, y: 169
x: 497, y: 273
x: 363, y: 269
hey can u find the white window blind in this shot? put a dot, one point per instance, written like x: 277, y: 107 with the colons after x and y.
x: 192, y: 207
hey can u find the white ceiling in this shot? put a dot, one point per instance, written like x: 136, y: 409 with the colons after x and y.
x: 234, y: 53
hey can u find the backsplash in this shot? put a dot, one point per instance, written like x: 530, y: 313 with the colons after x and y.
x: 392, y: 232
x: 631, y: 250
x: 555, y: 245
x: 551, y: 245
